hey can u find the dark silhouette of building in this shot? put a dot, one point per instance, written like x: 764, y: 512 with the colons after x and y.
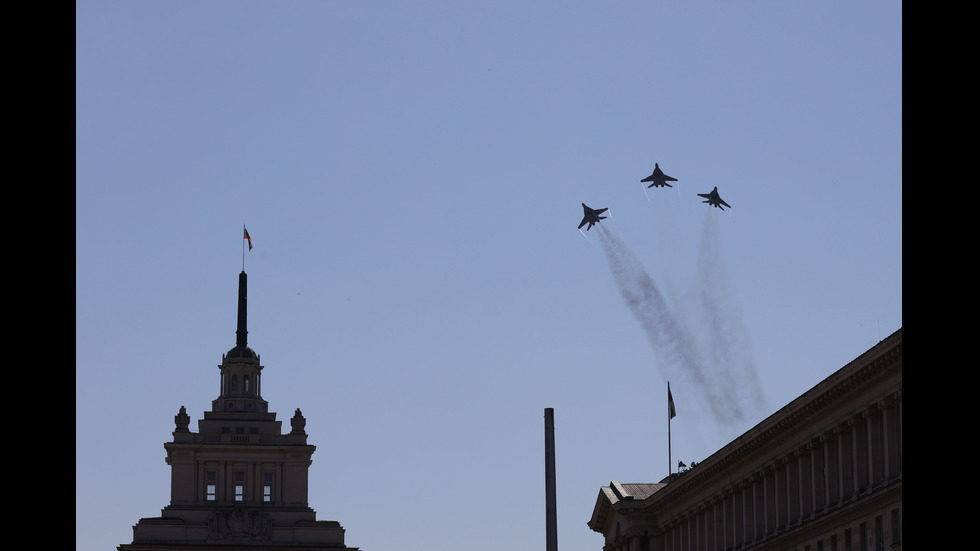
x: 824, y: 473
x: 238, y: 483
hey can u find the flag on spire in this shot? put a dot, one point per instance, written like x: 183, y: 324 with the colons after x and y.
x: 247, y: 237
x: 671, y: 412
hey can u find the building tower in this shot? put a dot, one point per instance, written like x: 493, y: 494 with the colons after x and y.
x: 238, y: 483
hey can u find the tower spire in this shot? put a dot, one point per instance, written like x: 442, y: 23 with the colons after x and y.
x: 241, y: 352
x: 241, y: 371
x: 241, y: 340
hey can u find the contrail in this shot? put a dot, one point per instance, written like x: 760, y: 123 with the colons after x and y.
x: 718, y: 365
x: 731, y: 350
x: 677, y: 351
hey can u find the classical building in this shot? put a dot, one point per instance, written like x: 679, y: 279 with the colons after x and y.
x: 238, y: 483
x: 824, y: 473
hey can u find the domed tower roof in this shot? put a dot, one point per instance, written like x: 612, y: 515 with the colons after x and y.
x: 241, y: 372
x: 240, y: 354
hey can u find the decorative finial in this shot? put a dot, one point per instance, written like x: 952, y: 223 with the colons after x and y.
x: 298, y: 422
x: 182, y: 420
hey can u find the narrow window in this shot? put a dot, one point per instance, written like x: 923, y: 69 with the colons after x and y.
x: 234, y: 383
x: 210, y: 485
x: 239, y: 485
x: 246, y: 383
x: 896, y: 527
x: 863, y: 534
x: 833, y: 542
x: 267, y: 487
x: 847, y: 539
x: 879, y: 534
x: 819, y: 545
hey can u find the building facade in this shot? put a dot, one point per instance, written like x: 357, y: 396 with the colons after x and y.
x: 824, y: 473
x: 238, y: 483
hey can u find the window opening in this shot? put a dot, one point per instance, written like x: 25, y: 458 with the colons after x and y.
x: 211, y: 485
x: 267, y: 487
x: 239, y: 485
x: 896, y: 527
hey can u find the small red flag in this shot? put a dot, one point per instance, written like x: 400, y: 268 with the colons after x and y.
x: 249, y: 239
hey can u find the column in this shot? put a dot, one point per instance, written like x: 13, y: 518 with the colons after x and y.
x: 876, y: 445
x: 820, y: 476
x: 862, y: 461
x: 738, y: 518
x: 793, y: 487
x: 758, y: 506
x: 806, y: 481
x: 847, y: 460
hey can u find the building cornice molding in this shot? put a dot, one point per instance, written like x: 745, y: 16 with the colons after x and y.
x: 873, y: 365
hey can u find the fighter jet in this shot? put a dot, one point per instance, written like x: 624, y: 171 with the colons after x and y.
x: 714, y: 199
x: 591, y: 217
x: 658, y: 177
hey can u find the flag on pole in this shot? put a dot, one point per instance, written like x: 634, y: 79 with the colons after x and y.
x: 671, y: 412
x: 247, y: 237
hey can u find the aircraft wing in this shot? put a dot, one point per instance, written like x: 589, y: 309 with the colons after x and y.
x: 591, y: 216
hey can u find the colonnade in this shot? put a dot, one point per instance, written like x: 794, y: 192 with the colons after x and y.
x: 858, y: 456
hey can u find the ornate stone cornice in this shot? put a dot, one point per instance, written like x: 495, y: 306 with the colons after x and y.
x: 875, y: 364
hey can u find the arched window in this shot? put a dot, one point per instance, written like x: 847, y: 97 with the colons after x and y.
x: 234, y: 383
x: 246, y: 383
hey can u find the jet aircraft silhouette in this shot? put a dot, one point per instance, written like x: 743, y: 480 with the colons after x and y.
x: 658, y: 177
x: 591, y: 217
x: 714, y: 199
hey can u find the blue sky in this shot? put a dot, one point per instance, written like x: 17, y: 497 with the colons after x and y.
x: 412, y: 176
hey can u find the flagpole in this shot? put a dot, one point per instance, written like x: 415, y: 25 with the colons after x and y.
x: 670, y: 463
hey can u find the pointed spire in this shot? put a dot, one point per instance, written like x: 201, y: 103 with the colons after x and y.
x: 242, y: 333
x: 241, y: 352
